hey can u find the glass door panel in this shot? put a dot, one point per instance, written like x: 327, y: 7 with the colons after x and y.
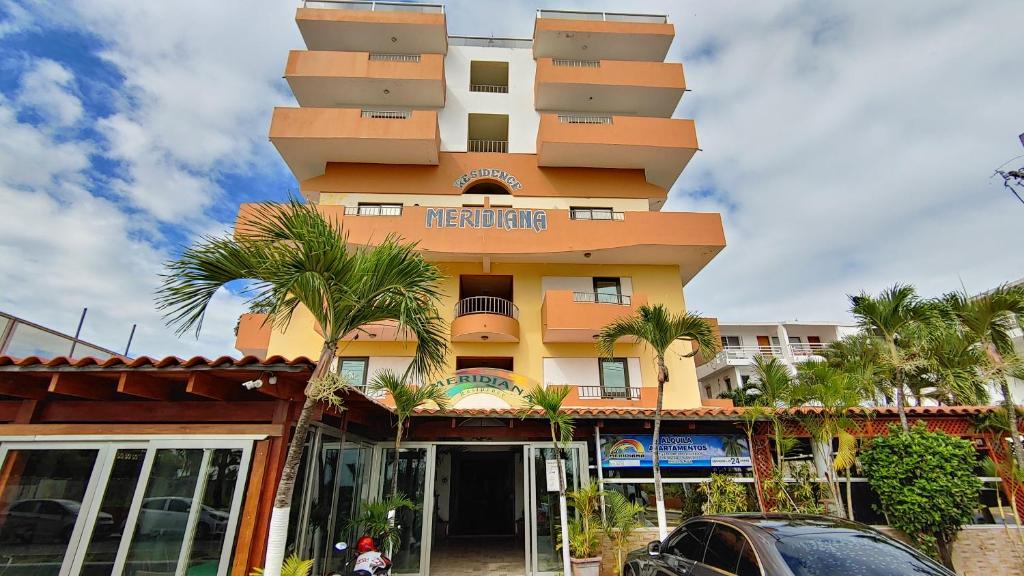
x: 41, y: 497
x: 211, y: 526
x: 163, y: 518
x: 113, y: 514
x: 351, y: 476
x: 546, y: 526
x: 412, y: 475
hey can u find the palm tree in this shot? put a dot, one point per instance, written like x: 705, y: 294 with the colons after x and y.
x: 891, y: 316
x: 660, y: 329
x: 955, y: 366
x: 549, y: 401
x: 407, y: 399
x: 988, y: 320
x: 772, y: 385
x: 837, y: 395
x: 622, y: 517
x: 860, y: 356
x: 292, y: 256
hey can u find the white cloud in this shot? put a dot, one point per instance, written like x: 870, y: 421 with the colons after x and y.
x: 14, y: 18
x: 48, y: 89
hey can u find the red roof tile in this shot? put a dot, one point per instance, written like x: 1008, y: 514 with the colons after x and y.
x: 705, y: 412
x: 169, y: 362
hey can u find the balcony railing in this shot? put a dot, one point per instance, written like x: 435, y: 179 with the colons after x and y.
x: 584, y: 119
x: 573, y: 63
x: 594, y: 392
x: 486, y: 305
x: 369, y: 6
x: 488, y: 146
x: 492, y: 88
x: 377, y: 57
x: 386, y: 114
x: 602, y: 298
x: 595, y: 214
x: 603, y: 16
x: 373, y: 210
x: 807, y: 348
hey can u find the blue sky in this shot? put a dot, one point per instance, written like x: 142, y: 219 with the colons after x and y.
x: 848, y: 146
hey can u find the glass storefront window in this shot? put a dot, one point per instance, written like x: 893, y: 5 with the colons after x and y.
x: 548, y: 517
x: 40, y: 503
x: 214, y: 516
x: 412, y: 473
x: 114, y: 508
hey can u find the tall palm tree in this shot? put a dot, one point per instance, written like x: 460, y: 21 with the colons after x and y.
x: 860, y: 356
x: 659, y: 329
x: 291, y: 256
x: 837, y: 395
x: 772, y: 385
x: 549, y: 401
x: 407, y: 398
x: 989, y: 320
x: 955, y: 366
x: 891, y: 316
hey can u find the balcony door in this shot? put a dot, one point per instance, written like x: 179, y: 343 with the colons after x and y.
x: 608, y: 290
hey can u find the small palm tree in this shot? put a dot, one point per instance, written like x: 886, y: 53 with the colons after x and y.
x: 772, y: 385
x: 860, y: 356
x: 292, y: 257
x: 890, y: 317
x: 659, y: 329
x: 837, y: 395
x: 374, y: 520
x: 955, y: 366
x: 407, y: 399
x: 622, y: 518
x: 549, y: 401
x: 989, y: 320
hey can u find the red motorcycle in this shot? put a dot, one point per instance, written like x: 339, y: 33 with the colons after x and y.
x: 369, y: 561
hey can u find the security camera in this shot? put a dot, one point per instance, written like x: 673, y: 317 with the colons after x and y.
x: 252, y: 384
x: 272, y: 379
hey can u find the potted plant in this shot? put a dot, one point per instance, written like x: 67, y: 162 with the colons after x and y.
x: 585, y: 531
x: 622, y: 517
x: 374, y: 521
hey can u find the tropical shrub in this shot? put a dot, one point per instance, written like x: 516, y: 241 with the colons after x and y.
x: 622, y: 517
x: 926, y: 485
x: 293, y: 566
x: 373, y: 520
x: 724, y: 495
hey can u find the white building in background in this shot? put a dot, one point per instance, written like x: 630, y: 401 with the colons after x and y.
x: 791, y: 342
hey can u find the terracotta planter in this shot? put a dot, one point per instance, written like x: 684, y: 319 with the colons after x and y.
x: 586, y: 566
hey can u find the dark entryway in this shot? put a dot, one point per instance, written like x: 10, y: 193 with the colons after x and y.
x: 483, y: 491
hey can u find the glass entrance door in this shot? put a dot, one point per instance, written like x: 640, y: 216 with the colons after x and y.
x: 415, y: 482
x: 545, y: 520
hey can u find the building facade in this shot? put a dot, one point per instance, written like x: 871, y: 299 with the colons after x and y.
x: 790, y: 342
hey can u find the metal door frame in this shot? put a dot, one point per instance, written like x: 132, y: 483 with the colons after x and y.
x: 582, y: 476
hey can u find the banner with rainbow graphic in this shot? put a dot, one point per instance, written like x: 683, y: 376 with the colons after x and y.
x: 676, y: 451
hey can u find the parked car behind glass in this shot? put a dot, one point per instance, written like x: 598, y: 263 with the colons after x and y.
x: 778, y: 545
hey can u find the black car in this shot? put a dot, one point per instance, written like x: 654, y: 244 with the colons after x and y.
x: 778, y: 545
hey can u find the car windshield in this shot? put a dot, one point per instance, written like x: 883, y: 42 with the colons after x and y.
x: 852, y: 553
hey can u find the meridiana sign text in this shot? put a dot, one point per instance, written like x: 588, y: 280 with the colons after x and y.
x: 499, y: 218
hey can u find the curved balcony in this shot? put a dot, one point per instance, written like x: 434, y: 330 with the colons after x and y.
x: 485, y: 319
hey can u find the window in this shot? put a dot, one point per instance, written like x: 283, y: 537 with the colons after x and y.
x: 745, y: 380
x: 852, y: 552
x: 689, y: 541
x: 747, y: 565
x: 728, y: 384
x: 724, y: 548
x: 488, y: 77
x: 730, y: 341
x: 607, y: 291
x: 707, y: 391
x: 614, y: 377
x: 353, y: 370
x: 588, y: 213
x: 794, y: 339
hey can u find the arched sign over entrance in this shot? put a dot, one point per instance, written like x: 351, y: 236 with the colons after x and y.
x: 486, y: 388
x: 494, y: 174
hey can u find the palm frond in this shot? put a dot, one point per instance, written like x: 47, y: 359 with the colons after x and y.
x: 658, y: 328
x: 407, y: 397
x: 549, y: 401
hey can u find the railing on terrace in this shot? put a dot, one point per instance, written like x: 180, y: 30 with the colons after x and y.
x: 573, y: 63
x: 386, y: 114
x: 584, y: 119
x: 630, y: 393
x: 595, y: 214
x: 490, y: 42
x: 486, y: 305
x: 373, y: 211
x: 807, y: 348
x: 488, y: 146
x: 370, y: 6
x: 600, y: 298
x: 377, y: 57
x: 603, y: 16
x: 492, y: 88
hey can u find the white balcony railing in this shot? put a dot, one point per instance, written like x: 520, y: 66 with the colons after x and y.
x: 790, y: 352
x: 488, y: 146
x: 574, y: 63
x: 602, y: 16
x: 594, y: 392
x: 378, y: 57
x: 595, y: 214
x: 369, y: 6
x: 486, y: 305
x: 807, y: 348
x: 584, y: 119
x: 386, y: 114
x: 492, y: 88
x: 601, y: 298
x: 373, y: 211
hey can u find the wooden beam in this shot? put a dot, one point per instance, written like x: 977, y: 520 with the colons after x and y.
x: 144, y: 386
x: 136, y: 429
x: 200, y: 384
x: 244, y: 563
x: 282, y: 390
x: 81, y: 386
x: 27, y: 412
x: 9, y: 411
x: 143, y: 411
x: 29, y: 389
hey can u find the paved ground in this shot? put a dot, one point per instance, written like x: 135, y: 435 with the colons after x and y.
x: 475, y: 557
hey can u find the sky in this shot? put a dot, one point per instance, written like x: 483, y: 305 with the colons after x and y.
x: 848, y: 146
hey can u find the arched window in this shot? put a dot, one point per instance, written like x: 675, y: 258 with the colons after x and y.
x: 486, y: 187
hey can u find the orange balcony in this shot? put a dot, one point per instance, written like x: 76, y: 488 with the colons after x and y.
x: 309, y: 138
x: 389, y: 27
x: 568, y: 316
x: 347, y: 79
x: 485, y: 318
x: 611, y: 86
x: 688, y: 240
x: 598, y: 397
x: 253, y: 337
x: 601, y: 36
x: 661, y: 146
